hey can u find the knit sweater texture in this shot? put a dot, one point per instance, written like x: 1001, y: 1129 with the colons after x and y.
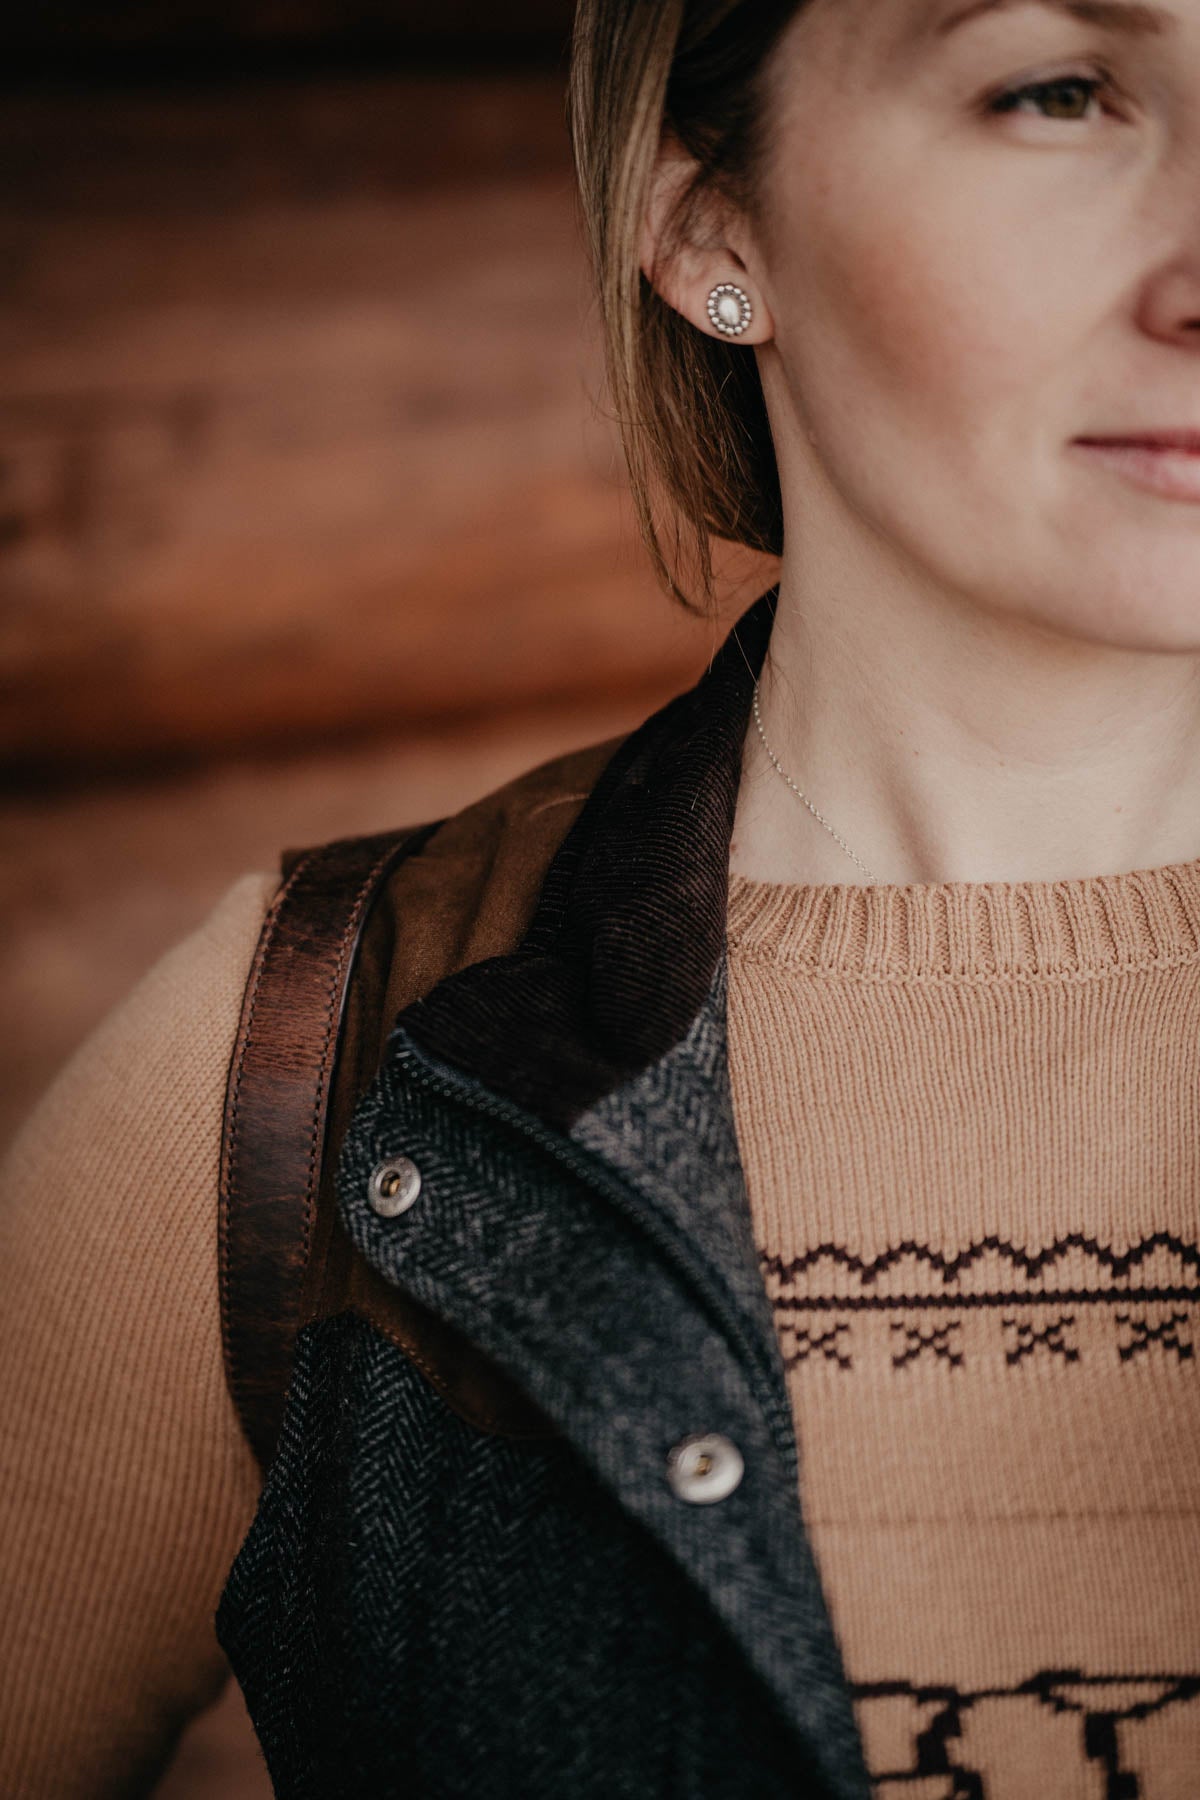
x: 968, y: 1116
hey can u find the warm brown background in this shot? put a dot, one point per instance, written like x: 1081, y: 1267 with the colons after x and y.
x: 311, y: 521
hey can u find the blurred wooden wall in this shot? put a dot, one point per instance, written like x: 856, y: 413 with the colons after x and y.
x: 78, y: 36
x: 298, y: 422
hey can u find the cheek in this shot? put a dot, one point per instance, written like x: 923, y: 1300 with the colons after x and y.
x: 925, y: 373
x: 940, y: 317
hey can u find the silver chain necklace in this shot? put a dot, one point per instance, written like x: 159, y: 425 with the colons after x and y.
x: 872, y: 879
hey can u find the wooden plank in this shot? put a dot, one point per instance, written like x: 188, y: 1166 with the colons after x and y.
x: 73, y: 25
x: 287, y: 455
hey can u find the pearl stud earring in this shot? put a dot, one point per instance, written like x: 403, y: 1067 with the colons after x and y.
x: 729, y: 309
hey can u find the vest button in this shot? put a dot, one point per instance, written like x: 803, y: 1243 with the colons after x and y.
x: 704, y: 1467
x: 394, y: 1185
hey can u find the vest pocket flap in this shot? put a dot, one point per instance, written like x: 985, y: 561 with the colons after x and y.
x: 470, y: 1383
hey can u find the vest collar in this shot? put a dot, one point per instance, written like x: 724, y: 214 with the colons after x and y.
x: 629, y: 929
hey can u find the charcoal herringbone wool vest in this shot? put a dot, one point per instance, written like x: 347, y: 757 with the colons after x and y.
x: 532, y: 1525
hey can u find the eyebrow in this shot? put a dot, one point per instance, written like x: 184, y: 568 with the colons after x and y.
x: 1129, y: 16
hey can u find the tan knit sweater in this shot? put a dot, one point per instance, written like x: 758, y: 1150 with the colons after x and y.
x: 970, y: 1119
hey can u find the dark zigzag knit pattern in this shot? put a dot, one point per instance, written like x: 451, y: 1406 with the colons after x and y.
x: 1115, y: 1263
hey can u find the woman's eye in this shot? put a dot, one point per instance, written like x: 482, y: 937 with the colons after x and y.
x: 1060, y: 97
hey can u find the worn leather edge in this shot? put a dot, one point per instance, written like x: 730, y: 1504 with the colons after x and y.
x: 276, y: 1111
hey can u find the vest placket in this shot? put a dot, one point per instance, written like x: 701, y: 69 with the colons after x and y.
x: 579, y: 1269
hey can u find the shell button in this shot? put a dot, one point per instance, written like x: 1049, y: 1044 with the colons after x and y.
x: 704, y: 1467
x: 394, y: 1185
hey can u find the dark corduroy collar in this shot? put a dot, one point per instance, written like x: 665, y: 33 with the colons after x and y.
x: 629, y: 927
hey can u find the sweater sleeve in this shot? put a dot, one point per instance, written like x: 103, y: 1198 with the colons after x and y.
x: 127, y: 1485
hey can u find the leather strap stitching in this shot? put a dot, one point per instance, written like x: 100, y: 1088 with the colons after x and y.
x: 266, y: 1214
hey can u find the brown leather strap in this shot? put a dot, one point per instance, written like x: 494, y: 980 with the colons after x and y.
x: 277, y: 1107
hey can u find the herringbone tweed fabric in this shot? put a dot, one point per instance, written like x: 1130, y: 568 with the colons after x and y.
x: 421, y: 1609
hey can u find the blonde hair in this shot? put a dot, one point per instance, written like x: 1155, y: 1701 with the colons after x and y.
x: 690, y: 407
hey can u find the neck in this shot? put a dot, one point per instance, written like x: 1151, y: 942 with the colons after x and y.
x: 950, y: 743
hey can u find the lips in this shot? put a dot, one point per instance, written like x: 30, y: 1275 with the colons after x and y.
x: 1187, y: 441
x: 1165, y: 463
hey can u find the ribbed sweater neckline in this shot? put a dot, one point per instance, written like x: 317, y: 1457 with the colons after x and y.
x: 1085, y: 925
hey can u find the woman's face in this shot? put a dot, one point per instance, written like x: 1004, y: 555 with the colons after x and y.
x: 962, y: 285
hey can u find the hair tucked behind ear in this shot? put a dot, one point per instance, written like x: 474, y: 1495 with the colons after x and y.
x: 690, y: 407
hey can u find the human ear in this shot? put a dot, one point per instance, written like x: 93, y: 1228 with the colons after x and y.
x: 693, y: 255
